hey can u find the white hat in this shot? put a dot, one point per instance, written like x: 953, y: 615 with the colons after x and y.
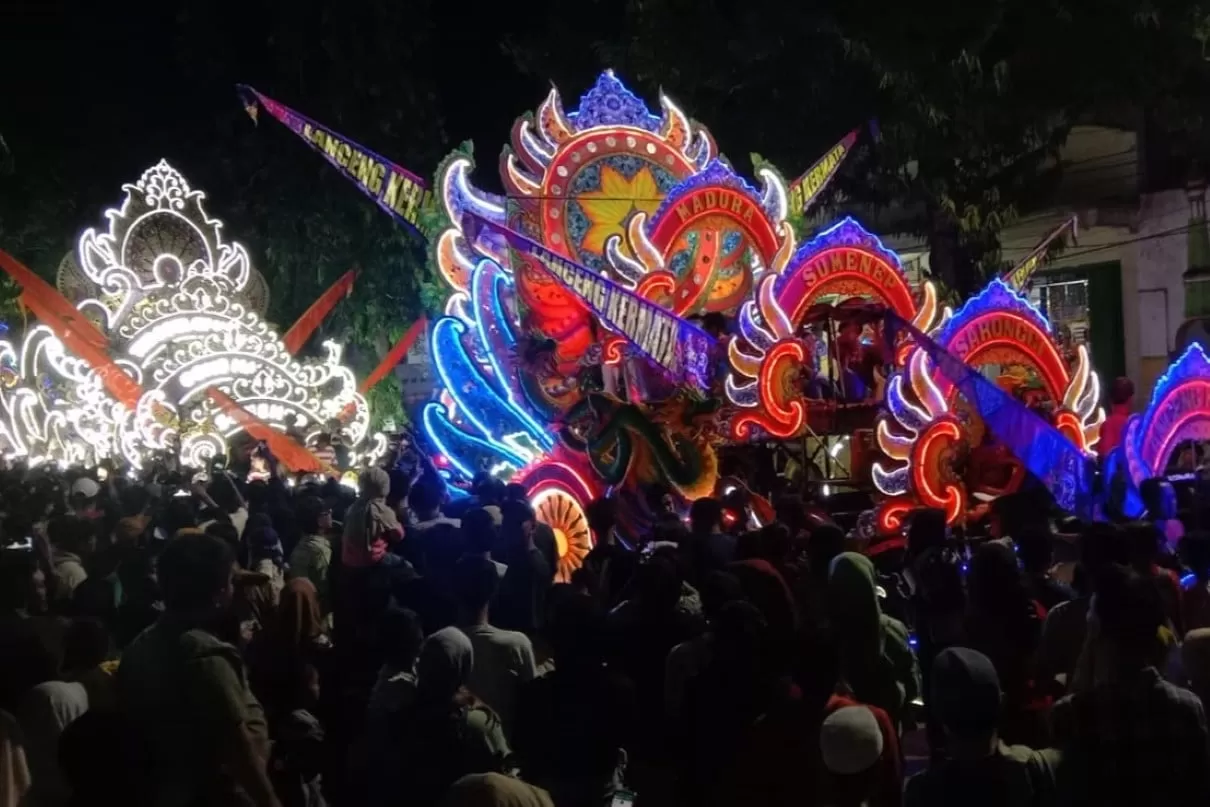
x: 850, y: 740
x: 88, y: 488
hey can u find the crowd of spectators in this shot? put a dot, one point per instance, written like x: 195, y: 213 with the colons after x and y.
x: 193, y: 641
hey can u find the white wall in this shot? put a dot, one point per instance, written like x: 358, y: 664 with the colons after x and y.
x: 1140, y: 240
x: 1151, y: 246
x: 1161, y: 256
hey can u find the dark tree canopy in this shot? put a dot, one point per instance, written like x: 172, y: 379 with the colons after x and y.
x: 972, y: 100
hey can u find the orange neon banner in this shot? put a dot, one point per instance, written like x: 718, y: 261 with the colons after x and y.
x: 395, y: 356
x: 36, y: 290
x: 301, y: 330
x: 74, y: 330
x: 295, y: 457
x: 120, y: 385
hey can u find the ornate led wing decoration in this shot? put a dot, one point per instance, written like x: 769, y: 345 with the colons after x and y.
x: 767, y: 358
x: 179, y: 305
x: 930, y: 432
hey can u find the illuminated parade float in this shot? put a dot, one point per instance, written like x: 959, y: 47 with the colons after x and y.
x: 574, y: 354
x: 631, y: 314
x: 166, y: 328
x: 1159, y: 440
x: 940, y: 454
x: 778, y: 345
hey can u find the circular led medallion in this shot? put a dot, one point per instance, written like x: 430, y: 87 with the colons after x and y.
x: 563, y: 513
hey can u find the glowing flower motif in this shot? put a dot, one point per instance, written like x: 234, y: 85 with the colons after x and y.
x: 609, y: 207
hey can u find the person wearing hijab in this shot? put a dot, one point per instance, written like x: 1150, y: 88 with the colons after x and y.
x: 370, y: 524
x: 495, y: 790
x: 876, y: 661
x: 299, y: 619
x: 293, y: 640
x: 446, y: 660
x: 448, y: 732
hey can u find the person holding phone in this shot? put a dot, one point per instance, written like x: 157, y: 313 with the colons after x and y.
x: 223, y: 494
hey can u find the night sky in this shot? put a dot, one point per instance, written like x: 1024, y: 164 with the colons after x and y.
x: 100, y: 90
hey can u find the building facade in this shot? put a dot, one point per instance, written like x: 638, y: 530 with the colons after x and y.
x: 1120, y: 287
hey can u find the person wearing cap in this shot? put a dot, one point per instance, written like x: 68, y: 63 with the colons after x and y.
x: 851, y: 743
x: 83, y: 497
x: 860, y: 753
x: 977, y: 767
